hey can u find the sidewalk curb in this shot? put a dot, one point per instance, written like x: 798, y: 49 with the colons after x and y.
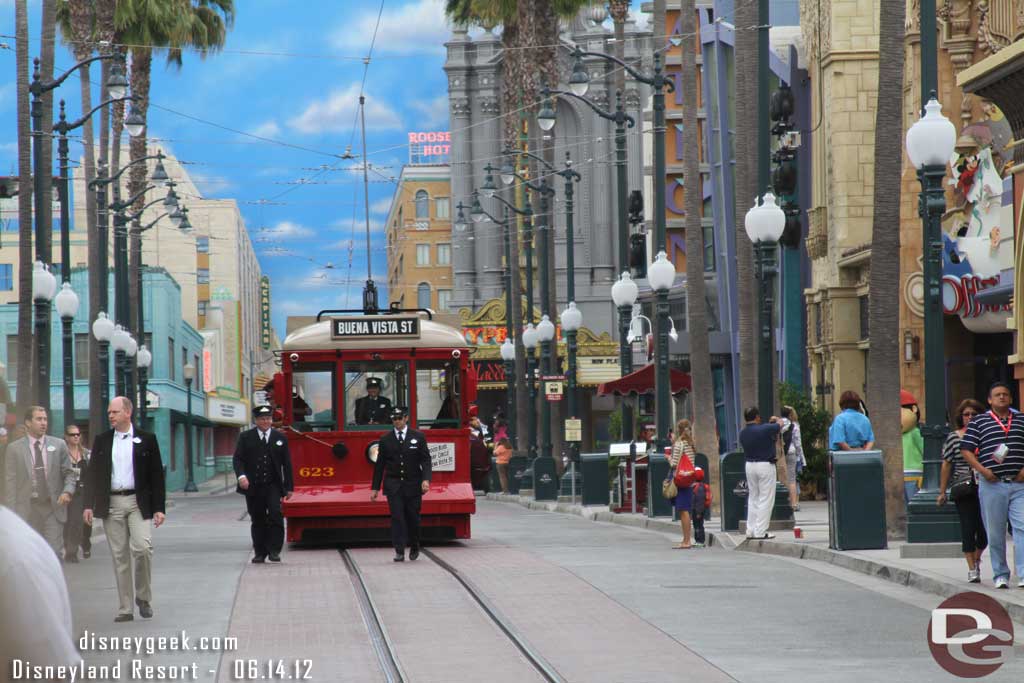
x: 800, y: 551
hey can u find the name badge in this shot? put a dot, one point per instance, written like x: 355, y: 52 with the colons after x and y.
x: 1000, y: 453
x: 137, y: 440
x: 412, y: 441
x: 280, y: 443
x: 51, y: 449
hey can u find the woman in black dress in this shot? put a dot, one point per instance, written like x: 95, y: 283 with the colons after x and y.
x: 76, y: 532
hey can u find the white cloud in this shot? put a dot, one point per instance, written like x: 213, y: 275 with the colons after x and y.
x: 411, y: 28
x: 336, y: 113
x: 381, y: 206
x: 359, y: 226
x: 209, y: 184
x: 435, y: 112
x: 267, y: 129
x: 287, y: 229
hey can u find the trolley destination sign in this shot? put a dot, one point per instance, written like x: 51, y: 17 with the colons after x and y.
x: 363, y: 328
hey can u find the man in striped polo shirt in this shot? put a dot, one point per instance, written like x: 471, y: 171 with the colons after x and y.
x: 994, y: 447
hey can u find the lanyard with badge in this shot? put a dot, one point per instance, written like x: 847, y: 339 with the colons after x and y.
x: 999, y: 454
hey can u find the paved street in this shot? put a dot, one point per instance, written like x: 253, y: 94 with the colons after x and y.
x: 599, y: 602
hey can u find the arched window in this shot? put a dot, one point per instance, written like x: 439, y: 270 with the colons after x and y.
x: 423, y: 295
x: 422, y: 204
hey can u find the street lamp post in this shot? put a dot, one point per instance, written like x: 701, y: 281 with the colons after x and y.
x: 129, y: 358
x: 67, y: 308
x: 930, y: 144
x: 662, y: 274
x: 117, y: 87
x: 508, y: 355
x: 546, y: 334
x: 624, y: 295
x: 44, y: 284
x: 530, y: 340
x: 143, y: 360
x: 119, y: 341
x: 572, y: 321
x: 546, y: 120
x: 103, y: 330
x: 190, y: 374
x: 764, y: 224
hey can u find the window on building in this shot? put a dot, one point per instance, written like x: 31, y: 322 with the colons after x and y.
x: 203, y: 276
x: 203, y: 304
x: 865, y: 317
x: 816, y: 314
x: 12, y: 357
x: 444, y: 296
x: 171, y: 374
x: 203, y: 244
x: 422, y: 204
x: 442, y: 208
x: 423, y: 295
x: 82, y: 356
x: 444, y: 254
x: 422, y: 254
x: 6, y: 277
x: 709, y: 248
x: 199, y: 370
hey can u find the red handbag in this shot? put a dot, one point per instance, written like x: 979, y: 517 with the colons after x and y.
x: 685, y: 473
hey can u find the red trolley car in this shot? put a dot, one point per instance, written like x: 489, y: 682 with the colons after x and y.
x: 417, y: 363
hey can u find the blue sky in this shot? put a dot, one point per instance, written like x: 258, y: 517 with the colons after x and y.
x: 291, y: 72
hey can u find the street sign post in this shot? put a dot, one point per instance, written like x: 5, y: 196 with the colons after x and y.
x: 573, y: 429
x: 554, y: 387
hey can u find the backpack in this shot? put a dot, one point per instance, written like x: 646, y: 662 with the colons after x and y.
x: 701, y: 497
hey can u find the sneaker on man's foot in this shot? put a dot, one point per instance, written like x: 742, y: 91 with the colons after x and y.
x: 973, y: 576
x: 1020, y: 583
x: 768, y: 536
x: 1002, y: 582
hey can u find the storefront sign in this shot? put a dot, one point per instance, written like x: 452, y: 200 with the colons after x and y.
x: 573, y: 429
x: 553, y: 387
x: 490, y: 374
x: 207, y: 370
x: 433, y: 147
x: 958, y: 298
x: 442, y: 457
x: 226, y: 411
x: 265, y: 312
x: 356, y: 328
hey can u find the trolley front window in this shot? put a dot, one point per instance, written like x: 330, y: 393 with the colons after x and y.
x: 372, y: 389
x: 314, y: 399
x: 437, y: 394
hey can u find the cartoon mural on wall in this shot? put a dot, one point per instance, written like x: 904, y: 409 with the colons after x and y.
x: 978, y: 249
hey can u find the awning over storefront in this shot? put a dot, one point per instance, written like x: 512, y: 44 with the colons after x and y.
x: 642, y: 382
x: 197, y: 420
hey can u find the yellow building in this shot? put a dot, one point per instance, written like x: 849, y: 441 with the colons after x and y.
x: 419, y: 238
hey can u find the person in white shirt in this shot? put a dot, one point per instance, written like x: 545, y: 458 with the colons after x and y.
x: 35, y: 612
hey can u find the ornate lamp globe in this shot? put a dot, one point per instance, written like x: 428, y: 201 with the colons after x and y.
x: 625, y: 291
x: 765, y: 222
x: 67, y: 302
x: 477, y: 212
x: 144, y: 358
x: 579, y: 81
x: 508, y: 172
x: 661, y: 273
x: 134, y: 123
x: 44, y: 284
x: 102, y: 327
x: 546, y: 115
x: 117, y: 84
x: 530, y: 337
x: 545, y: 329
x: 932, y: 138
x: 508, y: 350
x: 132, y: 348
x: 572, y: 318
x: 119, y: 339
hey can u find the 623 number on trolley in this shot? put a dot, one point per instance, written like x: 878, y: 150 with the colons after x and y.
x: 309, y: 472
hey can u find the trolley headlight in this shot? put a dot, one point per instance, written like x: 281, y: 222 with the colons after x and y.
x: 371, y: 452
x: 456, y: 354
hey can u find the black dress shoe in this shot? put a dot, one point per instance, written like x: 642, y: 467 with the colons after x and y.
x: 145, y: 611
x: 259, y: 559
x: 414, y: 553
x: 274, y: 557
x: 399, y: 557
x: 124, y: 617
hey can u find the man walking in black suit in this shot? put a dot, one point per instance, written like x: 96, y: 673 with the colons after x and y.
x: 124, y: 486
x: 403, y: 466
x: 263, y: 466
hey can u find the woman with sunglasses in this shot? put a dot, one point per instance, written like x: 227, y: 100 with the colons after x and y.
x: 973, y: 539
x: 76, y: 532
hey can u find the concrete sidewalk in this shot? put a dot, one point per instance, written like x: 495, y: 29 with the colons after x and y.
x: 943, y: 576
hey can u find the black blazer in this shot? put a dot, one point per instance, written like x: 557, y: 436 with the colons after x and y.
x: 409, y: 461
x: 150, y: 490
x: 248, y: 451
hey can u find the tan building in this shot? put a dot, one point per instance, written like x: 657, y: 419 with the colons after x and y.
x: 419, y: 238
x: 842, y: 54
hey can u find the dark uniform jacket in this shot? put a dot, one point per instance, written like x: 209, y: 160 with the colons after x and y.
x: 249, y: 460
x: 409, y: 461
x: 373, y: 410
x: 148, y: 468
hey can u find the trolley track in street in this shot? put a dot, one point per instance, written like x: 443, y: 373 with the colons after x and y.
x: 388, y: 654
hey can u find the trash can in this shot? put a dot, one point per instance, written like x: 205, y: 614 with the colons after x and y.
x: 594, y: 469
x: 657, y: 470
x: 856, y: 504
x: 733, y: 490
x: 516, y: 466
x: 545, y: 479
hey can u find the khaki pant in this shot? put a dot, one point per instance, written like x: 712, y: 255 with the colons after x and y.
x: 503, y: 476
x: 130, y: 538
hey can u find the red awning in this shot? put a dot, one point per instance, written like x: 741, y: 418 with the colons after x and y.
x: 642, y: 382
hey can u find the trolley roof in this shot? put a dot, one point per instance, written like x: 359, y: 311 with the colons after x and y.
x: 316, y: 336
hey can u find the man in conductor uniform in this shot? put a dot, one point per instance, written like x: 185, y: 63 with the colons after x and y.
x: 373, y: 409
x: 263, y: 466
x: 403, y: 466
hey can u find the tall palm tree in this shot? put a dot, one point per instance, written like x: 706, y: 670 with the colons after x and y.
x: 47, y: 50
x: 746, y: 153
x: 24, y: 369
x: 619, y: 9
x: 883, y: 358
x: 172, y: 25
x: 702, y: 392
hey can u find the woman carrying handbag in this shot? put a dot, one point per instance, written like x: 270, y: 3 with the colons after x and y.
x: 964, y: 491
x: 683, y: 501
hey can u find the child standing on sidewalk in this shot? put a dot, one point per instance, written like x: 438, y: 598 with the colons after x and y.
x: 701, y: 504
